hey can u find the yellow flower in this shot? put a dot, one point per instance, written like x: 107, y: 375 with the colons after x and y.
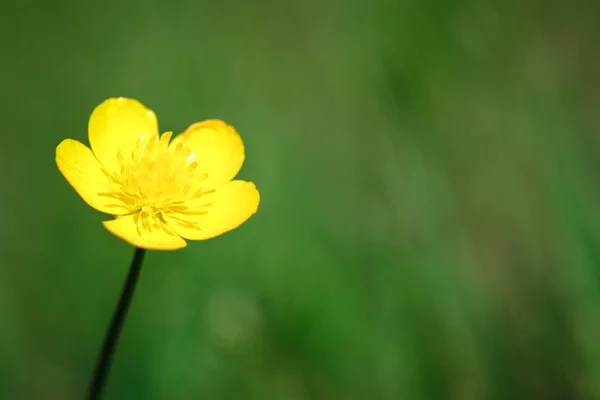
x: 159, y: 192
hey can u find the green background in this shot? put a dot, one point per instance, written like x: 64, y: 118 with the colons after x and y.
x: 430, y: 183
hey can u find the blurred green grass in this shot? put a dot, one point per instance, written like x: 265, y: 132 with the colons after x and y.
x: 429, y: 226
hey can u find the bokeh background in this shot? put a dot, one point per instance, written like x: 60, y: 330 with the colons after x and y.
x: 430, y: 181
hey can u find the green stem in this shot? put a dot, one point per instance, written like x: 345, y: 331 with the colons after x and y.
x: 116, y: 325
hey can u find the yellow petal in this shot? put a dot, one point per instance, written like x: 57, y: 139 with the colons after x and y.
x: 118, y: 124
x: 81, y: 169
x: 217, y: 148
x: 130, y: 229
x: 225, y: 209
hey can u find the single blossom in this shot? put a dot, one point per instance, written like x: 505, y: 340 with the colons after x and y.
x: 160, y: 191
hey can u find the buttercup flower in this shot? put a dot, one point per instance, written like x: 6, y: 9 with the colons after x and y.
x: 161, y: 191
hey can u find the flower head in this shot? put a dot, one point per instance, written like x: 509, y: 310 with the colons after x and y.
x: 161, y: 191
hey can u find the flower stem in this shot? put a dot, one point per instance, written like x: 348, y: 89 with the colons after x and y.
x: 112, y: 336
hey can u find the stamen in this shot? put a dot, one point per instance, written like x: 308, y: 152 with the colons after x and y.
x: 195, y: 212
x: 165, y: 139
x: 184, y: 223
x: 167, y: 231
x: 120, y: 158
x: 155, y: 181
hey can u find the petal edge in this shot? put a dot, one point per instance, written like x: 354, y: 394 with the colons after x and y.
x: 84, y: 173
x: 218, y: 149
x: 126, y: 228
x: 230, y: 206
x: 116, y: 125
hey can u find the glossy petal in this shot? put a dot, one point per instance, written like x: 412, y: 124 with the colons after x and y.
x: 116, y: 125
x: 217, y: 148
x: 128, y: 229
x: 226, y: 209
x: 83, y: 171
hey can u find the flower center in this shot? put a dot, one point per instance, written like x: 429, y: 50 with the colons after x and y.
x: 154, y: 179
